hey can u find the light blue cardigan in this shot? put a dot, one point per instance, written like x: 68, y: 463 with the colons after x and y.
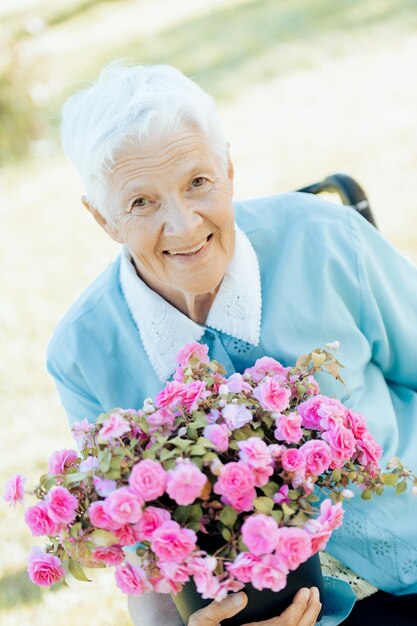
x: 326, y: 275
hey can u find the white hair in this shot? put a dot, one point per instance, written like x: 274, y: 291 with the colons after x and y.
x: 148, y: 101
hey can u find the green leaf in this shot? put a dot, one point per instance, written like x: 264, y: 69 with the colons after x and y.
x: 105, y: 460
x: 203, y: 441
x: 263, y: 505
x: 293, y: 494
x: 226, y: 534
x: 112, y: 474
x: 209, y: 456
x: 47, y: 481
x: 116, y: 462
x: 181, y: 443
x: 270, y: 489
x: 143, y: 424
x: 170, y: 464
x: 75, y: 530
x: 167, y: 454
x: 277, y: 515
x: 336, y: 475
x: 287, y: 510
x: 228, y: 516
x: 389, y: 479
x: 366, y: 494
x: 182, y: 514
x: 401, y: 487
x: 77, y: 571
x: 76, y: 477
x: 197, y: 450
x: 200, y: 421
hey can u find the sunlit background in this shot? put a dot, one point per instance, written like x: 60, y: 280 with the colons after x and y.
x: 305, y: 89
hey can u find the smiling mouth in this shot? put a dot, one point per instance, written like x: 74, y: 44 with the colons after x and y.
x: 192, y: 250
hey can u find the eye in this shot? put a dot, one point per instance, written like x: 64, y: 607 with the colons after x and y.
x: 139, y: 203
x: 198, y: 181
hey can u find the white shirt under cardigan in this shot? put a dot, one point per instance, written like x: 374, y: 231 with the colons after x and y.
x: 325, y: 274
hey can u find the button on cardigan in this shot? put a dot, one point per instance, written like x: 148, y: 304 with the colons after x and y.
x: 325, y: 275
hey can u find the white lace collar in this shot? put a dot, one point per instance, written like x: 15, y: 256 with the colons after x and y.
x: 236, y: 309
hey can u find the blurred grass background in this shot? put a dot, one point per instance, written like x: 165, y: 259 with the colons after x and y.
x: 305, y: 89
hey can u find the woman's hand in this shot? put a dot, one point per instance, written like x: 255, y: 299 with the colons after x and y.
x: 303, y: 611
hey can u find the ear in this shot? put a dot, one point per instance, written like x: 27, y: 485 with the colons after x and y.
x: 230, y: 172
x: 110, y: 229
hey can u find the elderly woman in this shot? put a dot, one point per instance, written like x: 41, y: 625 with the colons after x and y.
x: 274, y: 276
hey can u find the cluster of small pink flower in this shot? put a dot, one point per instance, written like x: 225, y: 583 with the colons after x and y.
x: 237, y: 458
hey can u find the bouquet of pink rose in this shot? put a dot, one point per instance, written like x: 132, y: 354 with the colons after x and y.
x: 213, y: 480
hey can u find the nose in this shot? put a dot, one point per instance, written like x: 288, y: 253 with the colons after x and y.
x: 181, y: 219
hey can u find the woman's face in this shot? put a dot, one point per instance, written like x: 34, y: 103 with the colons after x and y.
x: 171, y: 204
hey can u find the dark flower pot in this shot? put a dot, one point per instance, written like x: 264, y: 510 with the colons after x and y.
x: 262, y: 605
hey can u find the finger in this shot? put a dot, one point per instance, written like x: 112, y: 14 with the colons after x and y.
x: 313, y: 609
x: 292, y: 615
x: 215, y: 612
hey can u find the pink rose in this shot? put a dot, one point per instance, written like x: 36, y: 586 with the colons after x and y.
x: 127, y: 534
x: 175, y: 572
x: 100, y: 518
x: 294, y: 546
x: 261, y: 475
x: 266, y: 366
x: 371, y: 450
x: 207, y: 584
x: 236, y: 415
x: 318, y: 456
x: 237, y: 384
x: 164, y: 585
x: 269, y: 573
x: 172, y: 543
x: 342, y: 444
x: 293, y: 460
x: 218, y: 435
x: 162, y: 420
x: 80, y: 432
x: 151, y: 519
x: 288, y: 428
x: 193, y: 393
x: 89, y: 464
x: 123, y: 506
x: 103, y: 486
x: 242, y: 566
x: 185, y: 482
x: 113, y: 427
x: 255, y: 452
x: 132, y: 580
x: 39, y: 520
x: 44, y: 569
x: 112, y: 555
x: 272, y: 396
x: 310, y: 411
x: 260, y: 534
x: 60, y: 460
x: 193, y: 350
x: 62, y: 505
x: 356, y: 423
x: 148, y: 479
x: 332, y: 413
x: 319, y: 534
x: 170, y: 396
x: 236, y: 485
x: 276, y: 450
x: 14, y: 490
x: 331, y: 515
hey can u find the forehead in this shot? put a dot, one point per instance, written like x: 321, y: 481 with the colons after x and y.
x: 177, y: 152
